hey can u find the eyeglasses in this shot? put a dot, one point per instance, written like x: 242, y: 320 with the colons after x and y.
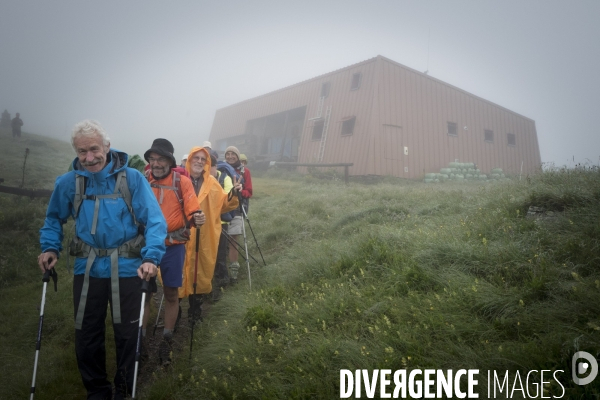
x: 159, y: 159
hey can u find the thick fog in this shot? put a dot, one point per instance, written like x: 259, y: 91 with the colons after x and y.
x: 149, y: 69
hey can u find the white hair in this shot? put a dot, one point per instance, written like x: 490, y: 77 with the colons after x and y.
x: 88, y: 128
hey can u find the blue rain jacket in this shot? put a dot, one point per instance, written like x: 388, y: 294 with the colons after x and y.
x: 115, y: 224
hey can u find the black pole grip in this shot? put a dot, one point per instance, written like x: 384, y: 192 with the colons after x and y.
x: 51, y: 273
x: 46, y: 277
x: 145, y: 286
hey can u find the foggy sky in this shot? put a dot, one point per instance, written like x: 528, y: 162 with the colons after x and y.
x: 149, y: 69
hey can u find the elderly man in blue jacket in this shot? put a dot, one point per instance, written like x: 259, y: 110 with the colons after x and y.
x: 120, y: 240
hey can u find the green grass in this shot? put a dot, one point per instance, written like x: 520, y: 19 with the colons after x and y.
x: 402, y: 275
x: 388, y: 274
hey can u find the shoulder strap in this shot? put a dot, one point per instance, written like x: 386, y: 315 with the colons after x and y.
x: 122, y: 186
x: 177, y: 184
x: 79, y: 192
x: 175, y: 187
x: 121, y: 190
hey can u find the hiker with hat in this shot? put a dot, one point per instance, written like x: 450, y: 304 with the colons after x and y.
x: 183, y: 161
x: 233, y: 158
x: 213, y: 201
x: 243, y: 159
x: 177, y: 199
x: 225, y: 175
x: 111, y: 204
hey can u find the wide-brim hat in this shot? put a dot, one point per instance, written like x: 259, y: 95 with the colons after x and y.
x: 164, y: 148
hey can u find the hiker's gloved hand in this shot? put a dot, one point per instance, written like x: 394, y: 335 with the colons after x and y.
x: 47, y: 260
x: 147, y: 270
x: 199, y: 218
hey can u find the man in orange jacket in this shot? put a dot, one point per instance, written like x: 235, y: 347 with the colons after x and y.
x: 179, y: 205
x: 213, y: 201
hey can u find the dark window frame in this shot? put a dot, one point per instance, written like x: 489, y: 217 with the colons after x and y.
x: 348, y: 125
x: 485, y: 135
x: 356, y: 81
x: 325, y: 89
x: 510, y: 136
x: 318, y: 126
x: 454, y: 127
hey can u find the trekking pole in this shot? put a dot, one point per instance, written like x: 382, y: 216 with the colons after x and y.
x: 138, y: 346
x: 239, y: 247
x: 251, y: 230
x: 245, y: 241
x: 194, y: 286
x: 49, y: 273
x: 158, y: 314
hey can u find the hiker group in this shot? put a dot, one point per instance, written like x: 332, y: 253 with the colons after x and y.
x: 172, y: 221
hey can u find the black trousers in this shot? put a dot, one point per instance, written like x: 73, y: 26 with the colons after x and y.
x: 221, y: 274
x: 90, y: 340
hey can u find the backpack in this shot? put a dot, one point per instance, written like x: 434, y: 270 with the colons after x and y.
x: 181, y: 234
x: 136, y: 162
x: 227, y: 170
x: 121, y: 190
x: 129, y: 249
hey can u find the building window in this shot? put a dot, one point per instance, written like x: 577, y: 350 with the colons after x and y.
x: 318, y: 130
x: 512, y: 141
x: 488, y: 135
x: 325, y: 89
x: 356, y: 78
x: 348, y: 126
x: 452, y: 129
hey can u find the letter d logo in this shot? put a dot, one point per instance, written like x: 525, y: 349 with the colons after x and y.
x: 582, y: 367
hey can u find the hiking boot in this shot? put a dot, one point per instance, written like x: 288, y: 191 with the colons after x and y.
x: 195, y: 310
x: 234, y: 267
x: 165, y: 349
x: 217, y: 293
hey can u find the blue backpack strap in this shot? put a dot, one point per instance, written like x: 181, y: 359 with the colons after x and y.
x: 224, y: 167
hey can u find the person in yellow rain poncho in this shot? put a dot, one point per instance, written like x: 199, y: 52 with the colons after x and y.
x: 213, y: 201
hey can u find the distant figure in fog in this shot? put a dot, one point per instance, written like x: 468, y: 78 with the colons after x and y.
x: 5, y: 120
x: 16, y: 125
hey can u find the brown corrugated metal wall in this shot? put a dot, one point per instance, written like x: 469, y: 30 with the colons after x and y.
x: 395, y: 108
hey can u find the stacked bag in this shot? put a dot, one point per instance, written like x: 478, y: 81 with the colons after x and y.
x: 462, y: 171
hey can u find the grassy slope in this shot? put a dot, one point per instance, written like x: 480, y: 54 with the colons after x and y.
x: 21, y: 217
x: 20, y: 278
x: 47, y: 159
x: 404, y: 275
x: 393, y: 275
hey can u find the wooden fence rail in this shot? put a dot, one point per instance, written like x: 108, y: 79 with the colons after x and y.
x: 26, y: 192
x: 294, y: 164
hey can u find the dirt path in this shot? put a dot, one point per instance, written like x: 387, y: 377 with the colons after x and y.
x: 181, y: 336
